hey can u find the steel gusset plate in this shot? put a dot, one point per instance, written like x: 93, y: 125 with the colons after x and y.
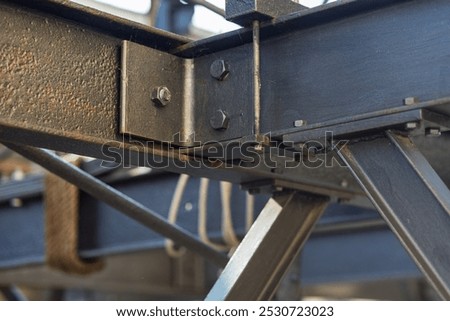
x: 195, y: 96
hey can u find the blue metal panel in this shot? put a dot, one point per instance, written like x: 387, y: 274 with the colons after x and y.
x: 347, y: 255
x: 361, y: 256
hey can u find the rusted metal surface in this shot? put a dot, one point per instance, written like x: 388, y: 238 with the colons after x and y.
x: 48, y: 83
x: 59, y: 86
x: 59, y: 89
x: 105, y: 23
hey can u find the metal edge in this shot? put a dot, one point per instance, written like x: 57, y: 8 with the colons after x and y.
x: 299, y: 20
x: 105, y: 23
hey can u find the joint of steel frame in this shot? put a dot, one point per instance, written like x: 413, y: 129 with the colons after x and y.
x: 183, y: 101
x: 244, y: 12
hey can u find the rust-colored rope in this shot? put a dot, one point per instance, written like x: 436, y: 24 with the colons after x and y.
x: 61, y: 227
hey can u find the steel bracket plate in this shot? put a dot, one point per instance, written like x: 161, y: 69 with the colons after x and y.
x: 142, y: 70
x: 195, y: 96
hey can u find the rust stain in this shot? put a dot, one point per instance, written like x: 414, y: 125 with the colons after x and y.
x: 57, y: 76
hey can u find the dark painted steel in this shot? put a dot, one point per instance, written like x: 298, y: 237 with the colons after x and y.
x: 412, y: 198
x: 304, y: 19
x: 244, y: 12
x: 104, y: 230
x: 395, y: 117
x: 143, y: 70
x: 356, y: 65
x: 118, y: 200
x: 270, y: 246
x: 186, y: 118
x: 75, y: 107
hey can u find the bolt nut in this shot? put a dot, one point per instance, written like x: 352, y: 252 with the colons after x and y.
x: 410, y: 101
x: 219, y: 69
x: 259, y: 148
x: 300, y: 123
x: 411, y: 126
x: 433, y: 132
x: 161, y: 96
x: 219, y: 120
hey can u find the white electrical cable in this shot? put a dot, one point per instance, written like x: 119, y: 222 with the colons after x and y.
x: 173, y: 214
x: 228, y: 233
x: 202, y: 216
x: 249, y: 211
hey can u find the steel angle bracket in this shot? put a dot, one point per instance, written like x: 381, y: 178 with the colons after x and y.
x: 191, y: 96
x: 143, y: 70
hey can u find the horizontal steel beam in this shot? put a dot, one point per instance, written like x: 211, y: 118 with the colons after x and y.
x: 60, y: 81
x: 61, y: 73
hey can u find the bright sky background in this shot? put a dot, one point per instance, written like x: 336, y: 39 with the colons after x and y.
x: 203, y: 18
x: 207, y: 20
x: 138, y: 6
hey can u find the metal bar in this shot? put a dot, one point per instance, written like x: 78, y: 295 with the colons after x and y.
x: 76, y: 104
x: 12, y: 293
x: 304, y: 19
x: 105, y: 231
x: 256, y: 77
x: 119, y: 201
x: 106, y: 23
x: 327, y: 257
x: 278, y: 234
x: 412, y: 198
x: 323, y: 58
x: 208, y: 6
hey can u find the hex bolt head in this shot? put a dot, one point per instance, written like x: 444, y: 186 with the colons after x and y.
x: 408, y: 101
x: 161, y: 96
x: 219, y: 69
x: 300, y: 123
x: 411, y: 126
x: 259, y: 148
x: 219, y: 120
x: 433, y: 132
